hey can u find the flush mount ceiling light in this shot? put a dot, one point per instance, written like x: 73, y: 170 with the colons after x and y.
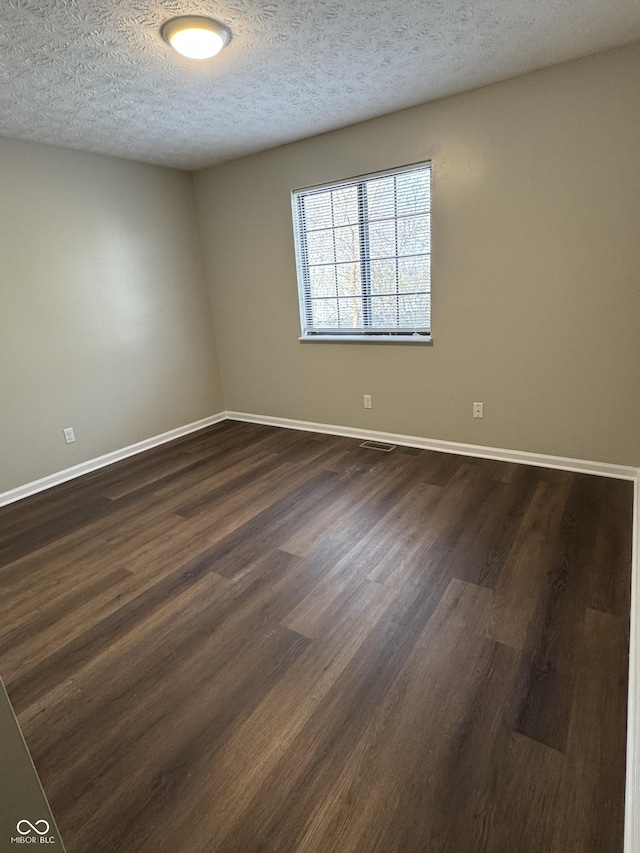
x: 196, y: 37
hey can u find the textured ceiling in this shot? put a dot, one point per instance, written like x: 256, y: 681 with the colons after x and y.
x: 96, y: 75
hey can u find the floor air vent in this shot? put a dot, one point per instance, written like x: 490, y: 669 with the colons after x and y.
x: 378, y: 445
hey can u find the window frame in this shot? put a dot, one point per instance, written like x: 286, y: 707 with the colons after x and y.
x: 374, y: 335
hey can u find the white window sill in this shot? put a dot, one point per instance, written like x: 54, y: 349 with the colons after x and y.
x: 367, y: 339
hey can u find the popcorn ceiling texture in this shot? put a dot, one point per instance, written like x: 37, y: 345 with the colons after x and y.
x: 96, y: 75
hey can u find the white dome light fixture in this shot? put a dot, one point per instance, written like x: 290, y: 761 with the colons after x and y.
x: 196, y: 37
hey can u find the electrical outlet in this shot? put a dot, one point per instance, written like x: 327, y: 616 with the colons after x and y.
x: 478, y: 410
x: 69, y: 435
x: 367, y: 401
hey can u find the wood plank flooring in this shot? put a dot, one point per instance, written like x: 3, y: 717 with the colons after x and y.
x: 259, y: 640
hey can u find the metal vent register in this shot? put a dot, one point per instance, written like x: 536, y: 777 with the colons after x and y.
x: 378, y: 445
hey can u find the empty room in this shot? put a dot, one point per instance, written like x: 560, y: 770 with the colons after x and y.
x: 320, y: 423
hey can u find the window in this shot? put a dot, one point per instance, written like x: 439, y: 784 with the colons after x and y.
x: 363, y: 252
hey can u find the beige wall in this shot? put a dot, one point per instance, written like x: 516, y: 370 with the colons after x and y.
x: 536, y: 270
x: 104, y: 316
x: 105, y: 323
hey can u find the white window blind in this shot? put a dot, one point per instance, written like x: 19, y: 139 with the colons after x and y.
x: 363, y: 252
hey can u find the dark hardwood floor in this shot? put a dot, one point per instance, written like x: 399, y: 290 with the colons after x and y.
x: 256, y: 639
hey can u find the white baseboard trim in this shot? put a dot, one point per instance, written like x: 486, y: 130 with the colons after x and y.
x: 632, y: 789
x: 541, y: 460
x: 108, y: 459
